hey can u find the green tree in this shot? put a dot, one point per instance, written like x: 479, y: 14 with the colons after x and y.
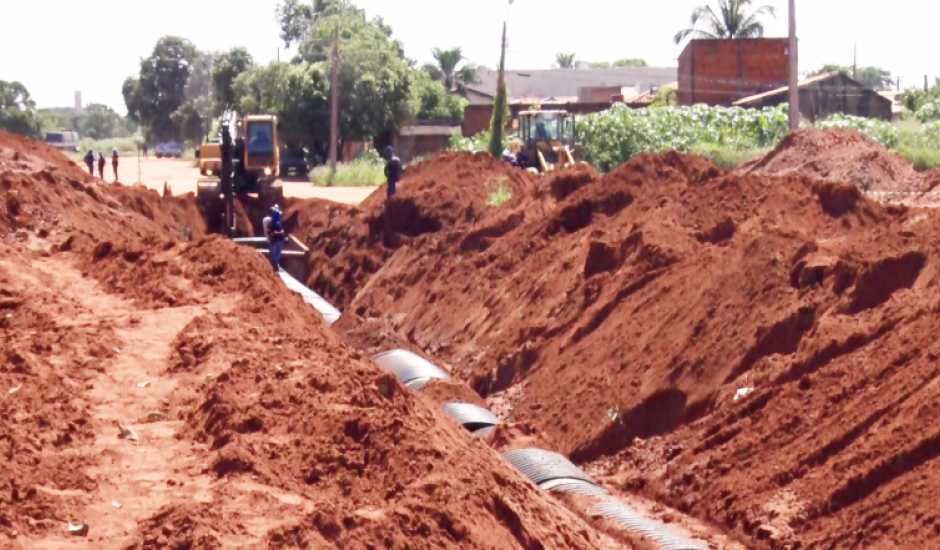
x: 99, y: 122
x: 666, y: 96
x: 18, y: 112
x: 500, y: 105
x: 228, y: 66
x: 619, y: 63
x: 564, y: 60
x: 871, y: 77
x: 635, y: 62
x: 732, y: 21
x: 295, y: 17
x: 431, y: 102
x: 451, y: 70
x: 374, y: 76
x: 160, y: 89
x: 297, y: 92
x: 193, y: 117
x: 915, y: 98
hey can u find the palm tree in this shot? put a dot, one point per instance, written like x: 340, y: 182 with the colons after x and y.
x: 446, y: 69
x: 731, y: 22
x: 564, y: 60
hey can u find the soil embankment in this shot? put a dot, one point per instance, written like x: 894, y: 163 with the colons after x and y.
x: 254, y: 424
x: 751, y: 347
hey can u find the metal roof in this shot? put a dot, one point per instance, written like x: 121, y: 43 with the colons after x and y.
x: 567, y: 82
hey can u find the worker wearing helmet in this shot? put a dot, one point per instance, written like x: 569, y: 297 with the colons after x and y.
x: 114, y: 162
x: 90, y: 162
x: 275, y: 235
x: 393, y: 170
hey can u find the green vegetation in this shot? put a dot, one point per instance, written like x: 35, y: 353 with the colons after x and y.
x: 498, y: 193
x: 17, y: 111
x: 431, y: 102
x: 612, y: 137
x: 727, y: 156
x: 500, y: 107
x: 474, y: 144
x: 95, y: 122
x: 156, y: 98
x: 228, y: 67
x: 564, y: 60
x: 449, y: 71
x: 732, y: 136
x: 734, y: 21
x: 632, y: 62
x: 365, y: 171
x: 125, y: 146
x: 666, y: 96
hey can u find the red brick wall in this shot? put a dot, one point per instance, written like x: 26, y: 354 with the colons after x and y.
x: 719, y: 72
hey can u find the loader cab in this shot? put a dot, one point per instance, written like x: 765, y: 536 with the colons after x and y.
x: 546, y: 126
x: 546, y: 140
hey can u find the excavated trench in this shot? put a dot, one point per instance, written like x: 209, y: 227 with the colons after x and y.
x: 549, y: 471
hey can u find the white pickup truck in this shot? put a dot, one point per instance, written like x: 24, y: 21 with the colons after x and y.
x: 65, y: 140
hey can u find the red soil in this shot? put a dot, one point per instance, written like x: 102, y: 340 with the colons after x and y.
x: 608, y: 311
x: 445, y: 193
x: 276, y: 433
x: 843, y: 156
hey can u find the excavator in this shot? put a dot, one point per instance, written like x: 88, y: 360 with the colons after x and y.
x: 546, y: 141
x: 244, y: 160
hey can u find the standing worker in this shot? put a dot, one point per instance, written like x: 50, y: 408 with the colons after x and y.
x: 114, y: 162
x: 101, y: 162
x: 275, y: 235
x: 90, y: 161
x: 393, y: 170
x: 145, y: 150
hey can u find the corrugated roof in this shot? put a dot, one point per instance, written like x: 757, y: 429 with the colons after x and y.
x: 811, y: 80
x: 567, y: 82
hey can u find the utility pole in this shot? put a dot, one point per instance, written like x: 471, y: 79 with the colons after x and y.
x: 926, y: 87
x: 899, y: 83
x: 334, y: 114
x: 855, y: 63
x: 794, y: 76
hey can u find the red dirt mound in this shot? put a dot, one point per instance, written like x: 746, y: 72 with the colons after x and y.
x: 41, y: 407
x: 637, y: 307
x: 288, y: 412
x: 21, y: 154
x: 444, y: 193
x: 840, y: 156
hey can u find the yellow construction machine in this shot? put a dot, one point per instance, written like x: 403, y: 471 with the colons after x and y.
x: 210, y: 158
x: 244, y: 160
x: 546, y: 141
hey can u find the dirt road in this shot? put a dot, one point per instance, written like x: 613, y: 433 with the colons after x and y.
x: 181, y: 176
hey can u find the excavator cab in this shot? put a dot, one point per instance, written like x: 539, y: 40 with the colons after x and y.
x: 248, y: 163
x: 546, y: 140
x: 259, y: 154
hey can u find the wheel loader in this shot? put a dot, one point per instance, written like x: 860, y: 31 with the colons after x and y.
x: 245, y: 160
x: 546, y: 141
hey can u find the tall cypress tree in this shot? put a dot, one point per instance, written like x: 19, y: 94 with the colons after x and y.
x: 498, y: 123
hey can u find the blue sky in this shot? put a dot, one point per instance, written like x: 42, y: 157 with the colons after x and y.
x: 56, y: 46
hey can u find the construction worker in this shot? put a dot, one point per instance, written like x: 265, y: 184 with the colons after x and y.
x: 114, y: 162
x: 393, y: 170
x: 90, y: 161
x: 275, y: 235
x: 101, y: 162
x: 144, y: 146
